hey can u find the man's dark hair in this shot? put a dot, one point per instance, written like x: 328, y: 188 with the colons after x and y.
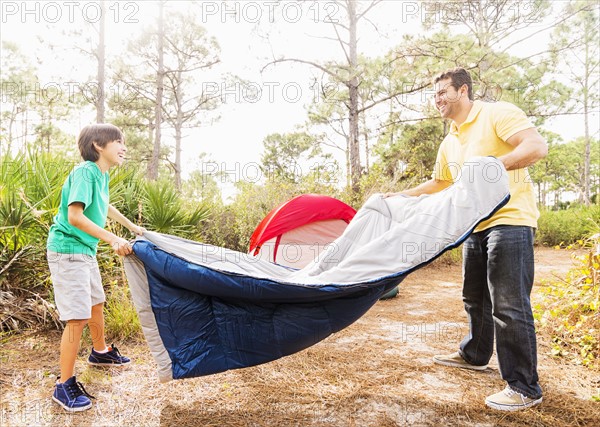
x: 101, y: 134
x: 459, y: 77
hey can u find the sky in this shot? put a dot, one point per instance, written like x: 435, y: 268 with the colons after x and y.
x: 250, y: 34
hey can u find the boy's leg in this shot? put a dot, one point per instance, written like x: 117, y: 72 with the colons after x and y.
x: 69, y: 347
x: 72, y: 294
x: 96, y: 326
x: 69, y: 393
x: 101, y: 354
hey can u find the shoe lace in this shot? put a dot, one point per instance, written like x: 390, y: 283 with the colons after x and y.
x: 115, y: 350
x: 510, y: 392
x: 76, y: 389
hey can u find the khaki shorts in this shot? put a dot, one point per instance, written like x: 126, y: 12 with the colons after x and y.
x: 77, y: 284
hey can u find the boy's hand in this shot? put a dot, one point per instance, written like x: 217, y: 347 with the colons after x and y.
x: 136, y: 229
x: 121, y: 246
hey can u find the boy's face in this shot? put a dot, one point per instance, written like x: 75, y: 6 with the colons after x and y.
x: 113, y: 153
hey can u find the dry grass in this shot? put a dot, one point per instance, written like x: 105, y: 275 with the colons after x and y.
x: 18, y: 312
x: 375, y: 373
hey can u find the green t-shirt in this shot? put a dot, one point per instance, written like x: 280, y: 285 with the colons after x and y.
x: 88, y: 185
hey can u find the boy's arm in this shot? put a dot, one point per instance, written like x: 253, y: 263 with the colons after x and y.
x: 114, y: 214
x: 77, y: 219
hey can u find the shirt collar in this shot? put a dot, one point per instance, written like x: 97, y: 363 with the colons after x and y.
x: 475, y: 109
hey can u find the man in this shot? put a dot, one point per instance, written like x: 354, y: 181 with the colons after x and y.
x: 498, y: 257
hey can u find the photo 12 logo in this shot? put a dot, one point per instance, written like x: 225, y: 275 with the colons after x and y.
x: 323, y: 172
x: 501, y: 14
x: 254, y: 12
x: 254, y: 92
x: 53, y: 12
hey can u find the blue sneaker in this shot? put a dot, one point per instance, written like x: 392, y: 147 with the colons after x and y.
x: 72, y: 396
x: 111, y: 358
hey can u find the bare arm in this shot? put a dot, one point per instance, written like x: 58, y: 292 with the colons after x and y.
x: 77, y: 219
x: 530, y: 147
x: 114, y: 214
x: 428, y: 187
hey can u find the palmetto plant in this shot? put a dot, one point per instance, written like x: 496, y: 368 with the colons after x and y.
x: 164, y: 210
x: 29, y: 198
x: 30, y: 191
x: 156, y: 205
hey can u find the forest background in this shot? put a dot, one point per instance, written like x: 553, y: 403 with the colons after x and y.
x: 231, y: 108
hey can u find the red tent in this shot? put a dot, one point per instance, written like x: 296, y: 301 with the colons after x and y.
x: 295, y: 232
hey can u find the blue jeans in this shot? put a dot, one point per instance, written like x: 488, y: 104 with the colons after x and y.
x: 498, y: 276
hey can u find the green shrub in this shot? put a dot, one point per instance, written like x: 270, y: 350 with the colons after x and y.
x: 231, y: 226
x: 565, y: 227
x: 29, y: 195
x: 120, y: 317
x: 569, y: 311
x: 30, y: 187
x: 451, y: 257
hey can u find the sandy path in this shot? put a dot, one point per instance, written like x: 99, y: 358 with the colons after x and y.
x: 377, y: 372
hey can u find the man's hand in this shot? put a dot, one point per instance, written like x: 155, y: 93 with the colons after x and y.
x: 386, y: 195
x: 428, y: 187
x: 121, y: 246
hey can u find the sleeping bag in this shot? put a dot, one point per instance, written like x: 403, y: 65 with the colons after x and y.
x: 206, y: 309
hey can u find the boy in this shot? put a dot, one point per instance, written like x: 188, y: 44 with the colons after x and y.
x: 72, y: 244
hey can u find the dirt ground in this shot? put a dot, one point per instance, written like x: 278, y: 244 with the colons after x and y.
x: 377, y: 372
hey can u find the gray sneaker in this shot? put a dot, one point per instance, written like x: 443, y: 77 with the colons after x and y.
x: 456, y: 361
x: 510, y: 400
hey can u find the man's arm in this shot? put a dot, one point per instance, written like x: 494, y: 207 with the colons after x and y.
x: 77, y: 219
x: 428, y: 187
x: 530, y: 147
x: 114, y: 214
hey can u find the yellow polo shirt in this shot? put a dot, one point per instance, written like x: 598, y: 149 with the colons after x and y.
x: 484, y: 133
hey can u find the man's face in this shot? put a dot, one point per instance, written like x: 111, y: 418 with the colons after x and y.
x: 447, y: 98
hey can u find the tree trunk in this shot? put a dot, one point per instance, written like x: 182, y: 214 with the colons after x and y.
x: 24, y: 131
x: 101, y: 65
x: 153, y: 165
x: 365, y: 134
x: 13, y: 118
x: 348, y: 165
x: 586, y: 159
x: 178, y: 126
x: 353, y: 106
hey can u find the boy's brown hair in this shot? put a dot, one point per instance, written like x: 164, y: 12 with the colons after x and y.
x: 459, y: 77
x: 101, y: 134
